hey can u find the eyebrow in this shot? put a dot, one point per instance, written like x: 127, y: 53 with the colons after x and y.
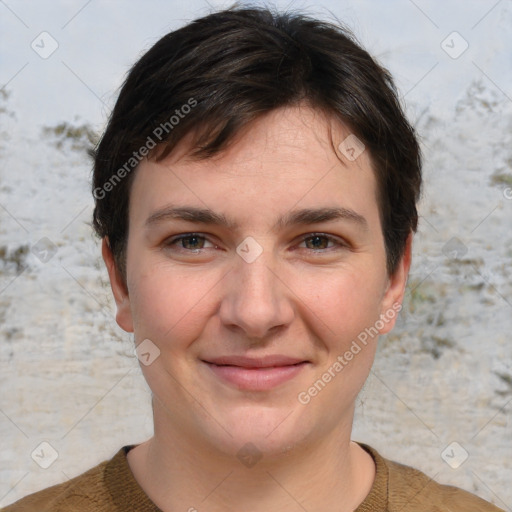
x: 295, y: 217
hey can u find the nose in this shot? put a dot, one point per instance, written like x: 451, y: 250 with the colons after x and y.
x: 257, y: 300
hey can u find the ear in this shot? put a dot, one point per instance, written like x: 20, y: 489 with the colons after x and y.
x: 119, y: 289
x: 394, y: 295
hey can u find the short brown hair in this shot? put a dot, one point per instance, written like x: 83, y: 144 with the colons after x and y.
x: 220, y: 72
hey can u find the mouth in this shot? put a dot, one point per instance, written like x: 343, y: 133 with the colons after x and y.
x: 255, y: 374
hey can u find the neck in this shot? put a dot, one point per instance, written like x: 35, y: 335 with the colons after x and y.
x: 331, y: 473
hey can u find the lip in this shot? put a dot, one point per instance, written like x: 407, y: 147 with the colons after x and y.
x: 256, y: 374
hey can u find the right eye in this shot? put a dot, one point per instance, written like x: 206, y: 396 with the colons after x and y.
x: 188, y: 242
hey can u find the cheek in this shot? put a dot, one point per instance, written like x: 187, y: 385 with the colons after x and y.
x: 346, y: 301
x: 349, y: 305
x: 167, y: 304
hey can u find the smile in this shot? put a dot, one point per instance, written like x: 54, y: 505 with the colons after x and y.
x: 256, y: 374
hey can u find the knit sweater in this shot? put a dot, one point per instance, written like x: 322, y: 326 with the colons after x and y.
x: 111, y: 487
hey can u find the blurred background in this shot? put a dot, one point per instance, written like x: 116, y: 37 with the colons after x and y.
x: 439, y: 397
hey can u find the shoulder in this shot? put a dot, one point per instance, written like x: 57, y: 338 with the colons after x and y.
x: 410, y: 490
x: 87, y: 492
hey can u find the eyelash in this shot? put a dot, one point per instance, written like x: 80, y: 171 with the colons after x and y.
x: 185, y: 236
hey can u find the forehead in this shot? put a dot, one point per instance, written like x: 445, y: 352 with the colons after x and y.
x: 291, y: 157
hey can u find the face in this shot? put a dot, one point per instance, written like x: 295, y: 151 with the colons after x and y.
x: 263, y: 309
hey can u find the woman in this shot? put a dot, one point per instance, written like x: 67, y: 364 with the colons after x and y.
x: 256, y: 192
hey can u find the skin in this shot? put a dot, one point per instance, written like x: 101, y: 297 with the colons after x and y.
x: 295, y: 299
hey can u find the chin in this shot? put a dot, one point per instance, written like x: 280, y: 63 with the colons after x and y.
x: 272, y: 431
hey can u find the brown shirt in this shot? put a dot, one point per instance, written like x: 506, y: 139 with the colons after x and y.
x: 111, y: 487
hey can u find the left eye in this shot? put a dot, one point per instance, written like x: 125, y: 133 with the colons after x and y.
x: 320, y: 241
